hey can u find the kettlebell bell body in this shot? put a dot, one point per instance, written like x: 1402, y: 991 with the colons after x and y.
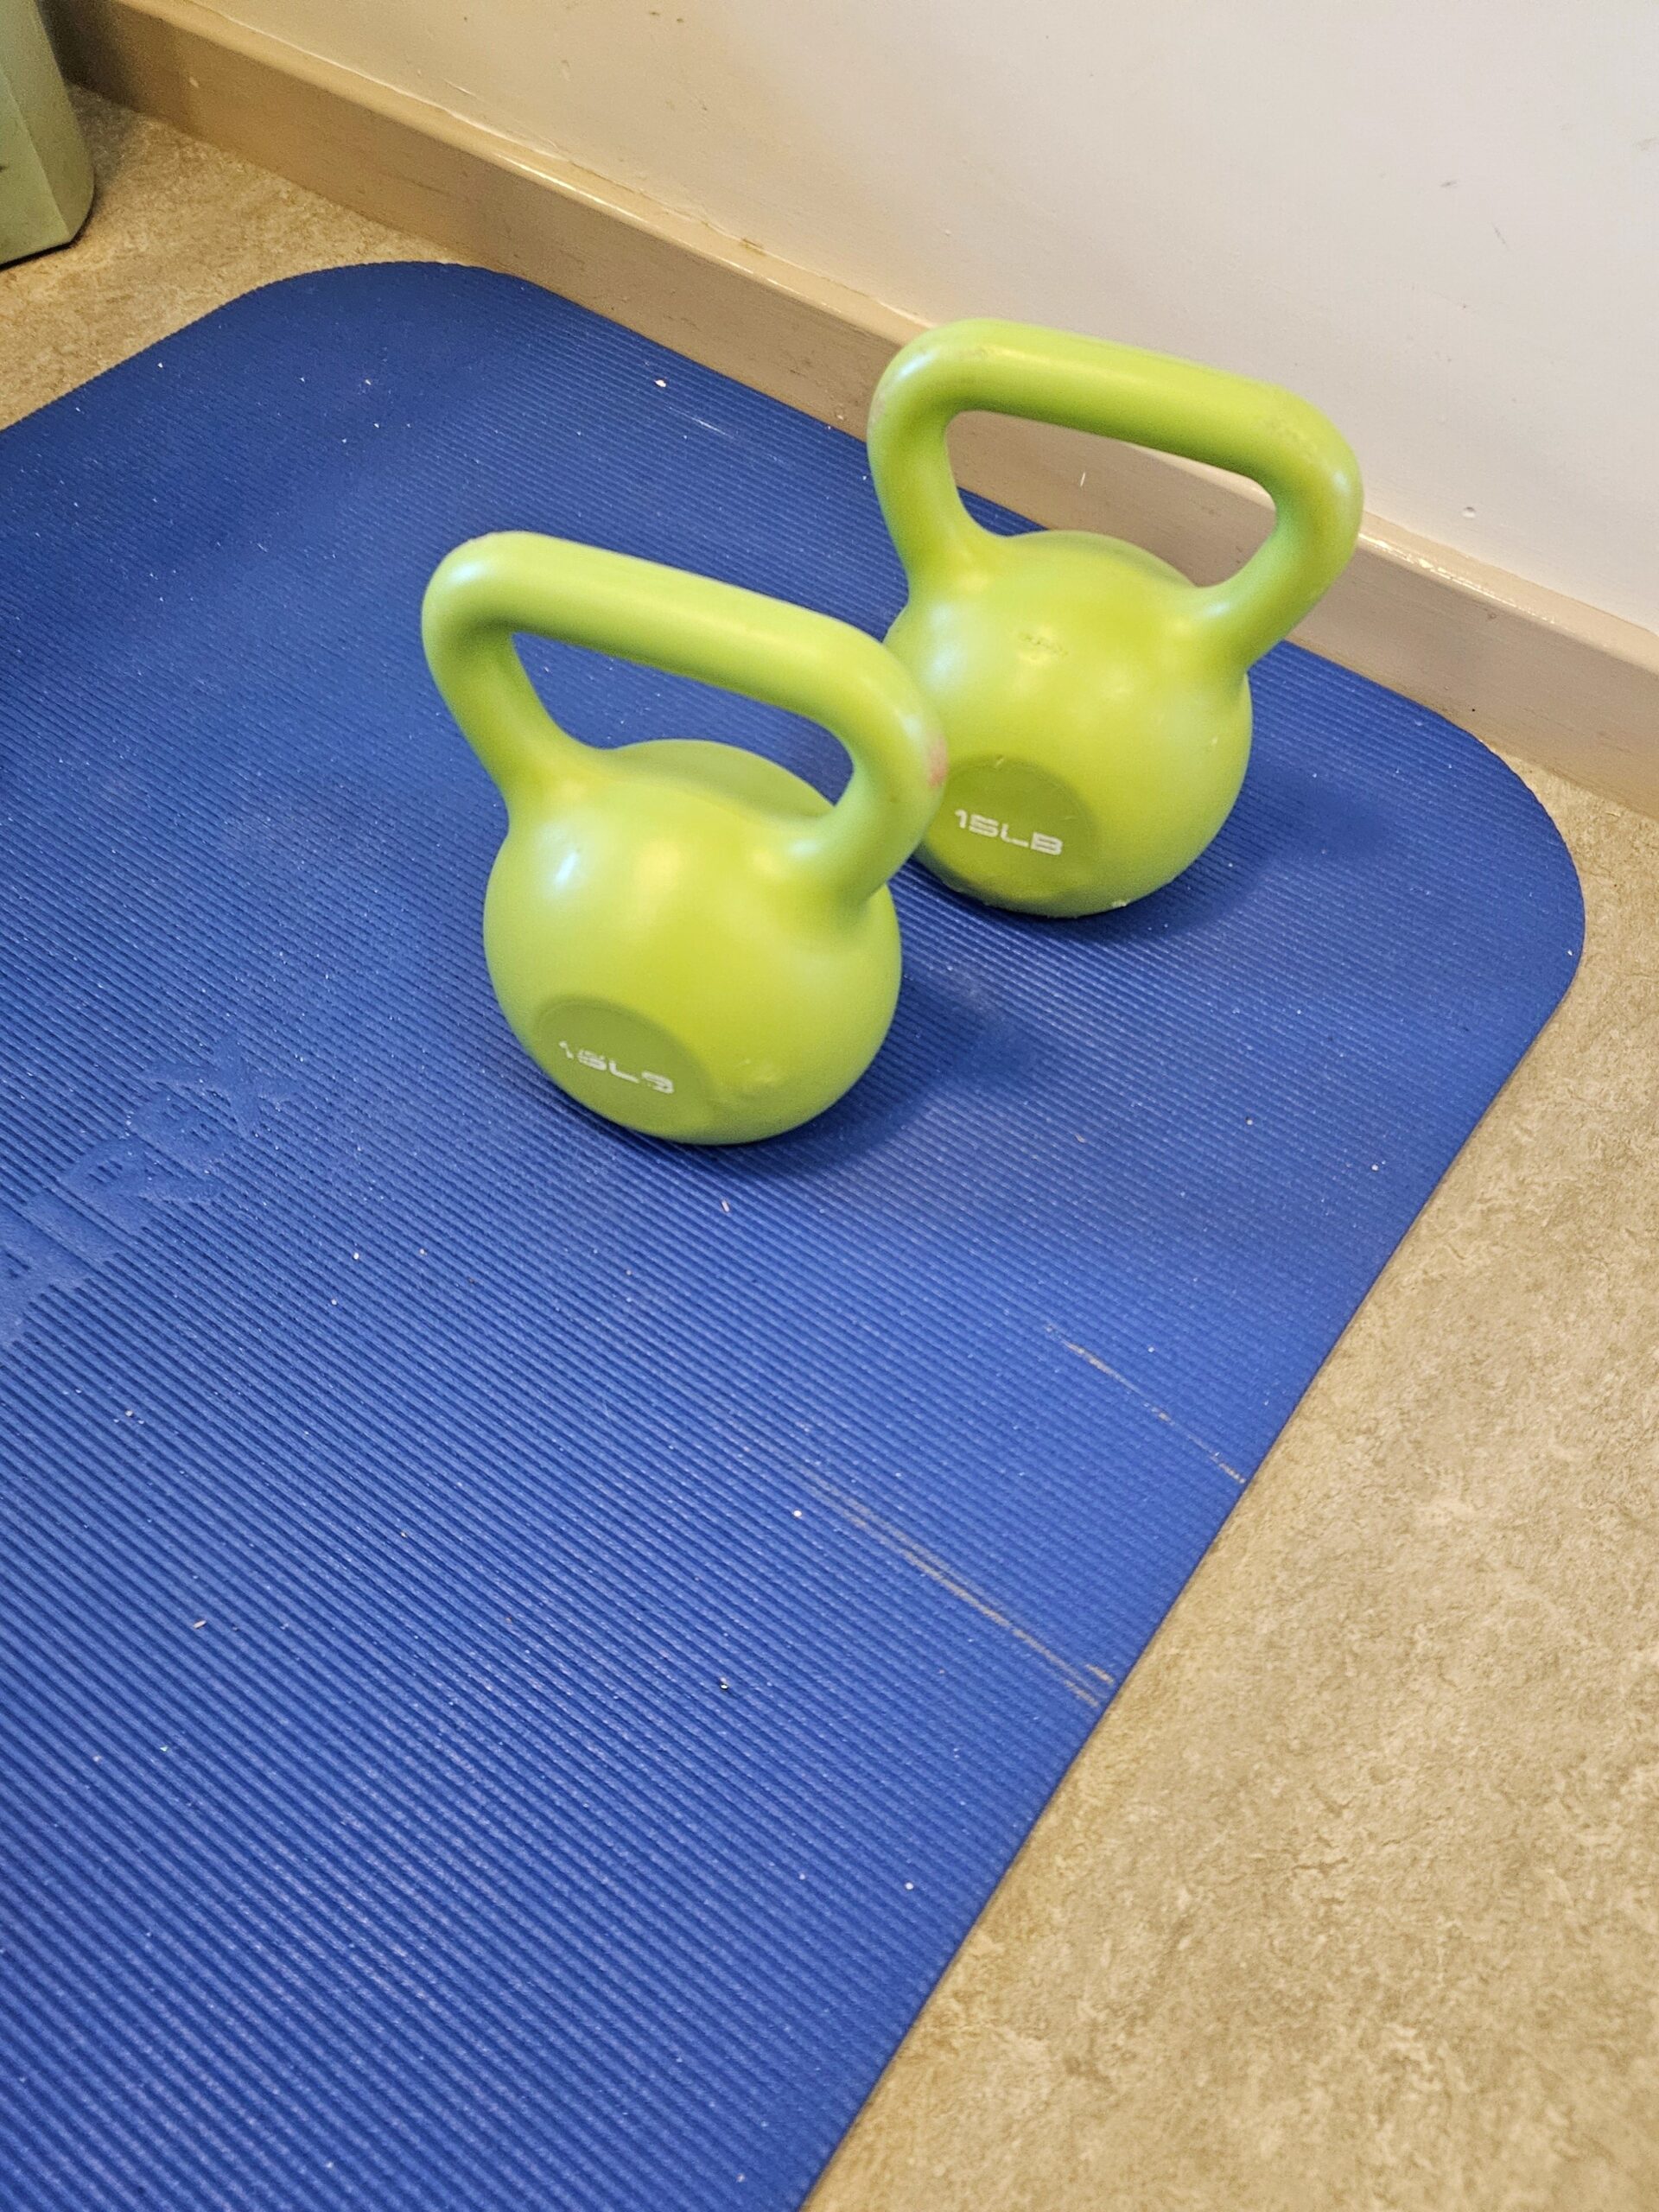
x: 1095, y: 705
x: 689, y: 939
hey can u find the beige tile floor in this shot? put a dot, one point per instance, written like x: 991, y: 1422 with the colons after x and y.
x: 1352, y: 1903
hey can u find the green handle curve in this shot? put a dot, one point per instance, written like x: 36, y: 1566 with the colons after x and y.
x: 516, y: 581
x: 1118, y: 392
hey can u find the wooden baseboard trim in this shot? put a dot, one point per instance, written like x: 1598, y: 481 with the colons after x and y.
x: 1532, y: 672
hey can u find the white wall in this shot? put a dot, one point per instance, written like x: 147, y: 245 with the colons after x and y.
x: 1439, y: 218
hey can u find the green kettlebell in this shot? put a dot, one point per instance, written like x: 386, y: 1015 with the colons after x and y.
x: 1095, y: 703
x: 688, y: 939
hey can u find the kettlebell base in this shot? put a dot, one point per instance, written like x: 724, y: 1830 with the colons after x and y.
x: 1015, y: 835
x: 629, y: 1069
x: 635, y: 1072
x: 1049, y: 910
x: 1011, y: 834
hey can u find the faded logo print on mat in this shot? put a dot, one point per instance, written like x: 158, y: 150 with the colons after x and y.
x: 170, y: 1154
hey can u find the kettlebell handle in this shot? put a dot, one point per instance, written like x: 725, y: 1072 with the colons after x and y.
x: 515, y: 583
x: 1148, y: 399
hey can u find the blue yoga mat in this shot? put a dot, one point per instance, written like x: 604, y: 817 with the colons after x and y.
x: 527, y: 1648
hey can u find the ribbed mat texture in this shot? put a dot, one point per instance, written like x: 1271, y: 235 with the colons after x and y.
x: 526, y: 1649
